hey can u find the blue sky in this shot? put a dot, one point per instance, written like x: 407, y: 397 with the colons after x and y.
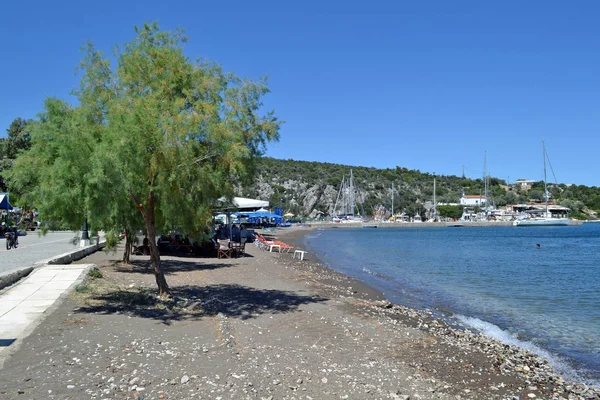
x: 430, y: 85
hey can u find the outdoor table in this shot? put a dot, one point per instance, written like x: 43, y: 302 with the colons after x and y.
x: 300, y: 254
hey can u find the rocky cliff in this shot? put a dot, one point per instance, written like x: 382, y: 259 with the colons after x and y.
x: 310, y: 189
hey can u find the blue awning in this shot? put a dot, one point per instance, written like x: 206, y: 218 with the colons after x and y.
x: 4, y: 204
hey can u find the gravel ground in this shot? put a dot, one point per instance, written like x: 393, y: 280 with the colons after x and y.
x: 260, y: 327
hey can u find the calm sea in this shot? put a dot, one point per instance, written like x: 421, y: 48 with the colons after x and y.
x: 492, y: 279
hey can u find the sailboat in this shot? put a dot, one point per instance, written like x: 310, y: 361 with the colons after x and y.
x: 347, y: 201
x: 546, y: 219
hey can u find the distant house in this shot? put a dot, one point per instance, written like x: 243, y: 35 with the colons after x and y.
x: 524, y: 183
x: 472, y: 200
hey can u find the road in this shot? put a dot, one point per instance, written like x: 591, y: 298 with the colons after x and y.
x: 33, y: 248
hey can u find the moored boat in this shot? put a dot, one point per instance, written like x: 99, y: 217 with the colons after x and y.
x: 546, y: 219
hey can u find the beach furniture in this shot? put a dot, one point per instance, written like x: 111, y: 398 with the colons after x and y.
x: 272, y: 246
x: 300, y: 254
x: 239, y: 249
x: 263, y: 243
x: 224, y: 249
x: 284, y: 246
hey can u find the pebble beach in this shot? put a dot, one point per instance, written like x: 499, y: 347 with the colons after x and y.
x: 265, y: 326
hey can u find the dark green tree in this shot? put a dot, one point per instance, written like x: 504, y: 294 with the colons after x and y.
x: 18, y: 140
x: 454, y: 212
x: 158, y: 134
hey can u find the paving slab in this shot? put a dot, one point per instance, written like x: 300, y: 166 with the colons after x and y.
x: 25, y: 304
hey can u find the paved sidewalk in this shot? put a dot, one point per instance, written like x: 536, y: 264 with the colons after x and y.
x: 22, y: 306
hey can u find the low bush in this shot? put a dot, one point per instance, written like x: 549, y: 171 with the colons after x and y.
x: 95, y: 273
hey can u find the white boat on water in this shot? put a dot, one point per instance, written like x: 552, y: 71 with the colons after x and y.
x: 546, y: 218
x: 346, y: 199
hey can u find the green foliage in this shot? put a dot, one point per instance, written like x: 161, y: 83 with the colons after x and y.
x: 537, y: 195
x: 575, y: 205
x: 511, y: 197
x: 95, y: 273
x: 83, y: 289
x: 454, y: 212
x: 578, y: 215
x: 154, y: 142
x: 411, y: 187
x: 16, y: 142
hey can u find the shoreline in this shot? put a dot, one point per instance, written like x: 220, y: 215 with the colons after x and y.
x: 265, y: 326
x: 374, y: 294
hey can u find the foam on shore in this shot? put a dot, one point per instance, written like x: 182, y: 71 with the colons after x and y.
x: 497, y: 333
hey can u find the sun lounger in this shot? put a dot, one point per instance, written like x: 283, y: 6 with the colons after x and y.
x: 283, y: 246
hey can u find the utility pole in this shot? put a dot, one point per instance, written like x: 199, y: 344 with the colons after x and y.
x: 85, y: 237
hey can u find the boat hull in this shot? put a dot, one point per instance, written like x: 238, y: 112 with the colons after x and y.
x: 543, y: 222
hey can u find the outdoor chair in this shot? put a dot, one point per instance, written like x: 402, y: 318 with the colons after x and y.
x: 239, y: 249
x: 224, y: 249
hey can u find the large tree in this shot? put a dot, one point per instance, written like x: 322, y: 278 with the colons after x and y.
x: 17, y: 141
x: 166, y: 134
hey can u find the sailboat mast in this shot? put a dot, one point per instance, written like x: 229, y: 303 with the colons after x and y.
x: 434, y: 208
x: 392, y: 199
x: 338, y: 197
x: 351, y: 195
x: 485, y: 179
x: 545, y: 185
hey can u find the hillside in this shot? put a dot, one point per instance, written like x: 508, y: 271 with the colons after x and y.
x: 311, y: 188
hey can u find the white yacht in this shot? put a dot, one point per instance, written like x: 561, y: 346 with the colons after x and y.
x: 546, y: 218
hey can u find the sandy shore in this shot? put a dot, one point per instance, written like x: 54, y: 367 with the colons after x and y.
x: 260, y: 327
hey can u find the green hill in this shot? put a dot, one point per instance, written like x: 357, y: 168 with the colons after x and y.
x: 310, y: 188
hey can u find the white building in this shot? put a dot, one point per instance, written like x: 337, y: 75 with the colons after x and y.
x: 473, y: 200
x: 524, y: 183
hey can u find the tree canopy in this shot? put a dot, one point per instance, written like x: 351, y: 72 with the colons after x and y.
x: 17, y: 141
x: 155, y: 139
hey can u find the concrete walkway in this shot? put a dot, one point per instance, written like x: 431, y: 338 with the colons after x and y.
x: 22, y: 306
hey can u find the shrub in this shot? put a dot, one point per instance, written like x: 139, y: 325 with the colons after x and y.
x: 82, y: 288
x: 95, y: 273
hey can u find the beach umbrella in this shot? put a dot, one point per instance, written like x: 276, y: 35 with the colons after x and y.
x: 221, y: 217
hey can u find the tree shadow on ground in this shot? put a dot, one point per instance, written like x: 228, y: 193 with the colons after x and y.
x: 169, y: 266
x: 196, y: 302
x: 191, y: 255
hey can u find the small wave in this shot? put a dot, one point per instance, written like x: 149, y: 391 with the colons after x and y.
x: 315, y: 235
x: 376, y: 274
x: 368, y: 271
x: 497, y: 333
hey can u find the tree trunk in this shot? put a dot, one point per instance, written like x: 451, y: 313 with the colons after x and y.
x: 148, y: 214
x: 163, y: 287
x: 127, y: 252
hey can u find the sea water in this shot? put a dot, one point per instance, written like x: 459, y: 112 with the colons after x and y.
x: 493, y: 279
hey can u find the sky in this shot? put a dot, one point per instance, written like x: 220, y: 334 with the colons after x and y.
x: 439, y: 86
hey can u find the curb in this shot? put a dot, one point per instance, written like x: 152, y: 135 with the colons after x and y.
x: 9, y: 279
x: 70, y: 256
x: 65, y: 258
